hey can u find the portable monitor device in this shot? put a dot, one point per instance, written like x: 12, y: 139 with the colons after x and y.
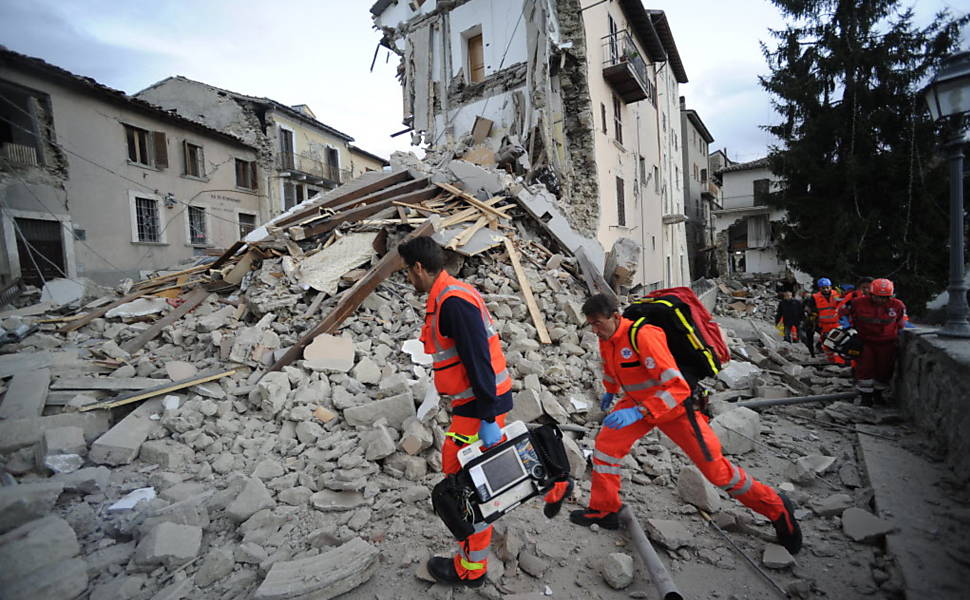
x: 505, y: 475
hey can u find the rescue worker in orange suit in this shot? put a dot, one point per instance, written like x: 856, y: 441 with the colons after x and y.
x: 878, y: 317
x: 469, y: 367
x: 862, y: 289
x: 823, y: 306
x: 654, y: 394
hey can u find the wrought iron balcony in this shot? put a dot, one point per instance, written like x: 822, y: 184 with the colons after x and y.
x: 625, y: 69
x: 311, y: 168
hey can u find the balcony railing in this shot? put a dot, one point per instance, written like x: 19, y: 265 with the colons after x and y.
x: 625, y: 69
x: 312, y: 166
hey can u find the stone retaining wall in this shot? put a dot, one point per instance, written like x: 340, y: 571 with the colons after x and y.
x: 933, y: 387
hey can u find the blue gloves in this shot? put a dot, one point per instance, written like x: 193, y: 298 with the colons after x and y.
x: 489, y: 433
x: 619, y: 419
x: 844, y: 322
x: 606, y: 400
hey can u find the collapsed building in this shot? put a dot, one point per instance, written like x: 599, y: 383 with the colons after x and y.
x: 262, y: 425
x: 583, y: 99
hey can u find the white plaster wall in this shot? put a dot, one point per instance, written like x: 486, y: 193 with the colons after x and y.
x: 98, y: 201
x: 763, y: 261
x: 399, y: 12
x: 737, y: 189
x: 640, y: 138
x: 503, y: 27
x: 498, y: 108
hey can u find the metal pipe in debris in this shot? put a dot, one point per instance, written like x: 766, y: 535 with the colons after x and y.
x: 658, y: 572
x: 795, y: 400
x: 747, y: 558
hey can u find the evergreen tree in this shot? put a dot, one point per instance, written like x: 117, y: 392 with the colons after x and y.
x: 865, y: 183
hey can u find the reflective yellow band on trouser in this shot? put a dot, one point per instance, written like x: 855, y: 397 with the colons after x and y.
x: 471, y: 566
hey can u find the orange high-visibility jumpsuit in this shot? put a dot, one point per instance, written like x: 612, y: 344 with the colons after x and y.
x: 652, y: 381
x: 828, y: 319
x: 451, y: 379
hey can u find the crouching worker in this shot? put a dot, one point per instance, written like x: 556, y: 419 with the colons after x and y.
x: 469, y: 367
x: 655, y: 391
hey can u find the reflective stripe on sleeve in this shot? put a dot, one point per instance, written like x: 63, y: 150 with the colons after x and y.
x: 607, y: 469
x: 668, y: 398
x: 646, y: 385
x: 670, y: 374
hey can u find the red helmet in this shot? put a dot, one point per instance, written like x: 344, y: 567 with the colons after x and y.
x: 881, y: 287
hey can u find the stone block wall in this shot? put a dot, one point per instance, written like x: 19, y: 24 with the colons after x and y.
x: 933, y: 388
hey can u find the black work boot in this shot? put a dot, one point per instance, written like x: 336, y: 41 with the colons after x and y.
x: 443, y: 570
x: 786, y: 527
x: 587, y: 517
x: 865, y: 398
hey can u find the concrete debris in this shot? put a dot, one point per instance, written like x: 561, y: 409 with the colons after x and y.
x: 695, y: 489
x: 621, y: 263
x: 617, y: 569
x: 61, y: 292
x: 832, y: 505
x: 806, y: 468
x: 132, y: 499
x: 121, y: 444
x: 141, y: 307
x: 738, y: 429
x: 323, y: 270
x: 330, y: 353
x: 395, y: 409
x: 670, y: 534
x: 738, y: 375
x: 776, y: 557
x: 26, y: 395
x: 169, y: 544
x: 863, y: 526
x: 35, y: 545
x: 26, y: 502
x: 251, y: 499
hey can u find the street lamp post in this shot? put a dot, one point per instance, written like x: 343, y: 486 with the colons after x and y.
x: 948, y: 96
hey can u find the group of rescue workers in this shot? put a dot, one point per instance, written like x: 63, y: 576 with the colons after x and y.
x: 870, y: 311
x: 469, y: 367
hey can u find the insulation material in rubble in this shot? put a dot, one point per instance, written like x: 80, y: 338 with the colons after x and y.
x: 323, y: 270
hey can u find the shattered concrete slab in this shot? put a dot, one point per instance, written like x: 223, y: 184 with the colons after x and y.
x: 330, y: 353
x: 323, y: 270
x: 321, y: 577
x: 26, y: 395
x: 120, y: 445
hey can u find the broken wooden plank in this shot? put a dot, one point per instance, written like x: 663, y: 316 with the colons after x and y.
x: 104, y: 383
x: 391, y: 192
x: 471, y: 199
x: 239, y: 270
x: 193, y: 299
x: 468, y: 213
x: 481, y: 129
x: 100, y: 312
x: 227, y: 254
x: 418, y: 207
x: 352, y: 298
x: 159, y: 390
x: 388, y: 180
x: 593, y: 278
x: 462, y: 238
x: 361, y: 212
x: 530, y: 301
x: 145, y: 283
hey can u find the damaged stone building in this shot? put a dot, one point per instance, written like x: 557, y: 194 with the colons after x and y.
x: 585, y: 100
x: 701, y: 194
x: 300, y: 155
x: 97, y: 184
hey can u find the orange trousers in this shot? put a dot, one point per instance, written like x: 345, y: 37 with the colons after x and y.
x: 471, y: 561
x: 612, y: 445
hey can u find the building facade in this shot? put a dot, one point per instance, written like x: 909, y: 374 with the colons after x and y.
x: 362, y: 161
x: 584, y: 100
x: 300, y: 156
x: 745, y: 225
x: 701, y: 195
x: 97, y: 184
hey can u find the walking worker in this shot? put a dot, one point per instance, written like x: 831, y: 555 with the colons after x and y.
x: 654, y: 394
x: 861, y: 289
x: 878, y: 317
x: 469, y: 367
x: 789, y: 315
x: 823, y: 306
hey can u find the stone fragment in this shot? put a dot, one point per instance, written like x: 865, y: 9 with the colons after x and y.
x: 121, y: 587
x: 268, y: 469
x: 253, y: 498
x: 63, y: 580
x: 90, y: 480
x: 61, y: 292
x: 178, y: 370
x: 805, y: 468
x: 532, y: 564
x: 321, y: 577
x: 526, y: 407
x: 217, y: 564
x: 738, y: 374
x: 166, y: 453
x: 121, y: 444
x: 416, y: 437
x: 35, y: 545
x: 863, y: 526
x: 577, y: 460
x: 182, y: 491
x: 776, y: 557
x: 380, y: 444
x: 272, y: 391
x: 251, y: 553
x: 395, y: 409
x: 670, y: 534
x: 415, y: 493
x: 26, y: 502
x: 26, y: 395
x: 308, y: 432
x: 737, y: 429
x: 168, y: 544
x: 367, y: 371
x: 832, y: 505
x: 324, y: 414
x: 18, y: 433
x: 330, y: 353
x: 141, y: 307
x: 617, y: 570
x: 621, y: 262
x: 334, y: 501
x: 695, y: 489
x: 552, y: 407
x: 297, y: 496
x: 215, y: 320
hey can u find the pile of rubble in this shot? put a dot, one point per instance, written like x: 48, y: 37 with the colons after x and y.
x: 264, y: 426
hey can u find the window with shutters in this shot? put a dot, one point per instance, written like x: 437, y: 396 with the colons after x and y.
x: 198, y: 230
x: 247, y: 223
x: 476, y: 57
x: 146, y: 148
x: 194, y: 160
x: 246, y: 174
x: 620, y: 203
x: 618, y: 119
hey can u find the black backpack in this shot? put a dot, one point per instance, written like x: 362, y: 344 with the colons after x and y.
x: 695, y: 358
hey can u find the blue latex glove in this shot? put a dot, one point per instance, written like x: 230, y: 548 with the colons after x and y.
x: 618, y: 419
x: 844, y: 322
x: 489, y: 433
x: 606, y: 400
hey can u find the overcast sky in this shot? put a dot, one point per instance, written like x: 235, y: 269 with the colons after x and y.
x: 319, y: 52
